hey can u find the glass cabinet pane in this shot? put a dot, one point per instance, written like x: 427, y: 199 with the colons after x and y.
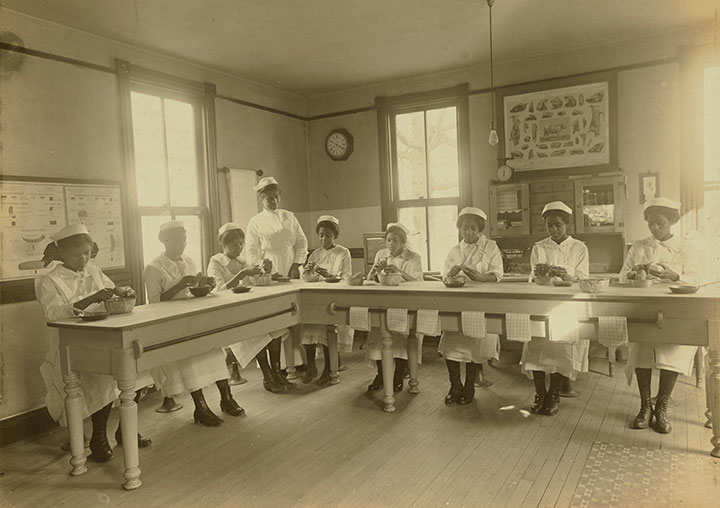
x: 598, y: 205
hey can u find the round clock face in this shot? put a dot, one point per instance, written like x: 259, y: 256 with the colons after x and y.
x: 504, y: 173
x: 339, y: 145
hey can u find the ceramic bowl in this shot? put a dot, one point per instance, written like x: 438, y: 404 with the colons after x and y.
x: 594, y: 285
x: 261, y: 280
x: 332, y: 279
x: 199, y: 291
x: 544, y: 280
x: 454, y: 282
x: 120, y: 305
x: 355, y: 281
x: 311, y: 277
x: 390, y: 279
x: 684, y: 289
x: 641, y: 283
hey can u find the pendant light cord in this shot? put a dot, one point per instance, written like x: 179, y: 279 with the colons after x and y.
x: 492, y: 66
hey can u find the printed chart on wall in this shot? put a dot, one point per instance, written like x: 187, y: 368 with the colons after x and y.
x: 33, y: 211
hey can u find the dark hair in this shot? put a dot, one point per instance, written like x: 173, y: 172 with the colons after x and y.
x: 53, y: 250
x: 478, y: 220
x: 670, y: 214
x: 94, y: 250
x: 229, y: 236
x: 564, y: 216
x: 268, y: 188
x: 399, y: 231
x: 329, y: 225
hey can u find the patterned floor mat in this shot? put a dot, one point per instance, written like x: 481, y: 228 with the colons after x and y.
x: 619, y: 477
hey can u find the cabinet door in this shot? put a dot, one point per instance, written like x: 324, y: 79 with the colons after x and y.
x: 599, y: 205
x: 509, y: 210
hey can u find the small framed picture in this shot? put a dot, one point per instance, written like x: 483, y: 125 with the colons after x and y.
x: 649, y: 186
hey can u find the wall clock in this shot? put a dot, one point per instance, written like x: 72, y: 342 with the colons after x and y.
x: 504, y: 173
x: 339, y: 145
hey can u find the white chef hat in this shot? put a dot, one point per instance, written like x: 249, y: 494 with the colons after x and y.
x: 329, y: 218
x: 169, y: 225
x: 227, y: 227
x: 664, y: 202
x: 397, y: 225
x: 557, y: 205
x: 265, y: 182
x: 68, y: 231
x: 471, y: 210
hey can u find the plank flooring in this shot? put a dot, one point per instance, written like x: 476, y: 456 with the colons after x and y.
x: 334, y: 447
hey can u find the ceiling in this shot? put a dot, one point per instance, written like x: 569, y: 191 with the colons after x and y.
x: 312, y: 47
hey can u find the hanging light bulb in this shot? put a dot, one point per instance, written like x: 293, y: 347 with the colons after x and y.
x: 493, y: 137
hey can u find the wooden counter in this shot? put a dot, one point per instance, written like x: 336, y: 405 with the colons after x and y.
x: 157, y: 334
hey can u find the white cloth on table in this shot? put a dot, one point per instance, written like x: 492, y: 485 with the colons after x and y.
x: 223, y: 269
x: 612, y: 331
x: 517, y: 327
x: 483, y: 255
x: 407, y: 261
x: 276, y: 235
x: 397, y: 321
x: 570, y: 254
x: 193, y: 373
x: 428, y: 322
x: 473, y: 324
x: 360, y: 318
x: 677, y: 255
x: 336, y: 261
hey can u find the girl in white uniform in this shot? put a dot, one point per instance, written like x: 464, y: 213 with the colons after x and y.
x: 276, y: 234
x: 669, y: 259
x: 395, y: 258
x: 541, y: 356
x: 478, y: 259
x: 331, y: 260
x: 229, y: 270
x: 168, y: 277
x: 72, y: 285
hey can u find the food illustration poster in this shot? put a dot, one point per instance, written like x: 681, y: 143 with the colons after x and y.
x: 98, y: 207
x: 31, y: 212
x: 559, y: 128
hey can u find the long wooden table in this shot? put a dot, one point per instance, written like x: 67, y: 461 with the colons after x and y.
x: 157, y: 334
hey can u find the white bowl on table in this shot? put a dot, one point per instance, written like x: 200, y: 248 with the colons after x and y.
x: 594, y: 285
x: 390, y: 279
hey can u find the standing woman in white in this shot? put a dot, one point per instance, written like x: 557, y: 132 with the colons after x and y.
x: 478, y: 259
x: 396, y: 257
x: 665, y: 257
x: 276, y: 234
x: 571, y: 261
x: 168, y: 277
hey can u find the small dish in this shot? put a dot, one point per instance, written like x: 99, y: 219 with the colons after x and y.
x: 261, y: 280
x: 544, y: 280
x: 454, y: 282
x: 199, y: 291
x: 355, y: 281
x: 562, y: 283
x: 332, y: 280
x: 594, y: 285
x: 241, y: 289
x: 283, y: 279
x: 310, y: 277
x: 684, y: 289
x: 93, y: 316
x: 390, y: 279
x: 641, y: 283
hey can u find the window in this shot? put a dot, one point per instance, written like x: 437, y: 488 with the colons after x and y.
x: 168, y: 142
x: 711, y: 181
x: 424, y: 141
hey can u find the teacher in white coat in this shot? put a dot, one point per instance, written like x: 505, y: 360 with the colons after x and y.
x: 275, y: 234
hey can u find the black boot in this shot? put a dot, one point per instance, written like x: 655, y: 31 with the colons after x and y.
x: 378, y: 381
x: 311, y: 370
x: 202, y: 413
x: 540, y: 392
x: 566, y: 389
x: 468, y: 392
x: 644, y: 417
x: 274, y: 350
x: 269, y: 382
x: 227, y: 403
x: 455, y: 381
x: 100, y: 450
x: 399, y: 374
x: 551, y: 405
x: 324, y: 378
x: 667, y: 383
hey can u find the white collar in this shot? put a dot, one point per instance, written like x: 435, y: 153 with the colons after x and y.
x: 480, y: 242
x: 672, y: 243
x: 224, y: 259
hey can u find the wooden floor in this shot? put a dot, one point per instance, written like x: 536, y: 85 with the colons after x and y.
x: 335, y: 447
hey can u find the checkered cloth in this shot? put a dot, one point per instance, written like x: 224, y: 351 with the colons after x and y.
x: 473, y: 324
x: 428, y: 322
x: 360, y: 318
x: 517, y: 327
x: 612, y: 331
x: 397, y: 320
x: 564, y: 326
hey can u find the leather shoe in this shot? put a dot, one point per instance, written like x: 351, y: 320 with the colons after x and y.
x: 231, y: 407
x: 143, y: 442
x: 376, y: 384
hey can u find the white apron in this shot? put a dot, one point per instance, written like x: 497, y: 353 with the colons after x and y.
x: 458, y: 347
x: 277, y: 236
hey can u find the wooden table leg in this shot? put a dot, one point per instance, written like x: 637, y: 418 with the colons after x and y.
x: 289, y: 345
x: 73, y: 413
x: 333, y: 352
x: 714, y: 380
x: 699, y: 367
x: 413, y: 363
x: 611, y: 360
x: 708, y: 392
x: 388, y: 368
x: 129, y: 430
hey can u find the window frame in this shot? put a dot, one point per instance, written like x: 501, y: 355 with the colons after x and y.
x: 387, y: 109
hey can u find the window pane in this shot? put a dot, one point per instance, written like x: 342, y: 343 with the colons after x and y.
x: 152, y: 247
x: 149, y: 151
x: 410, y: 149
x: 712, y: 123
x: 413, y: 218
x: 181, y: 151
x: 443, y: 152
x: 443, y: 233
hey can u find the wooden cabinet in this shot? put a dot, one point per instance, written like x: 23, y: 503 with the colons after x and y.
x: 510, y: 210
x: 598, y: 204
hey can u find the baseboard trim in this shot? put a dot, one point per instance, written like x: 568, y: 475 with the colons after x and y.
x: 25, y: 425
